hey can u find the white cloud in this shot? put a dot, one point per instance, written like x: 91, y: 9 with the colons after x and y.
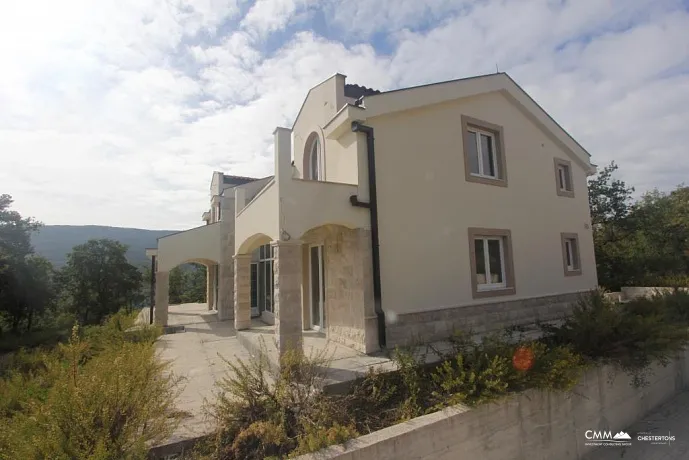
x: 117, y: 112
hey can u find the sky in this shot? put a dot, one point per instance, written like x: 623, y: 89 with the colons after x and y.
x: 117, y: 112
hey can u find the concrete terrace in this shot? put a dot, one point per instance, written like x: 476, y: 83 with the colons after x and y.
x: 195, y: 353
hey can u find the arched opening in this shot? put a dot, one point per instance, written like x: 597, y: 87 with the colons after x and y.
x: 256, y: 255
x: 332, y: 264
x: 188, y: 284
x: 313, y: 158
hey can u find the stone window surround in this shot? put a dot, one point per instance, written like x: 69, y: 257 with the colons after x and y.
x: 510, y: 288
x: 567, y: 164
x: 564, y: 237
x: 498, y: 133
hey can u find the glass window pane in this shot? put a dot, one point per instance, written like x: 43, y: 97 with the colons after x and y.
x: 261, y: 286
x: 254, y: 286
x: 315, y: 288
x: 568, y: 252
x: 495, y: 258
x: 561, y: 178
x: 487, y: 155
x: 315, y: 170
x: 567, y: 179
x: 575, y: 254
x: 269, y: 285
x: 472, y: 153
x: 480, y: 262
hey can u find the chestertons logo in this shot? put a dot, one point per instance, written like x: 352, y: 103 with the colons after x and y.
x: 606, y: 438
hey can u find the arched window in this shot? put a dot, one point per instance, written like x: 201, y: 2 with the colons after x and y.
x: 315, y: 158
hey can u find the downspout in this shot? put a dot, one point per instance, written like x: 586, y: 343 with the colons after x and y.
x: 153, y: 289
x: 372, y: 206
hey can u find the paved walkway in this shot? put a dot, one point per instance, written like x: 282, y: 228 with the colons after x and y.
x: 195, y: 355
x: 672, y: 417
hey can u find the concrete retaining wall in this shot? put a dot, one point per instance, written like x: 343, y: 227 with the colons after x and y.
x: 533, y: 425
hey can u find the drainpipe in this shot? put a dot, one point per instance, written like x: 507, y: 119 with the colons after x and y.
x: 372, y: 206
x: 153, y: 289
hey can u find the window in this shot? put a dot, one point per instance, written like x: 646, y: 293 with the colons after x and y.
x: 314, y: 157
x: 484, y: 152
x: 563, y: 178
x: 492, y: 271
x: 264, y: 278
x: 570, y: 254
x: 219, y: 213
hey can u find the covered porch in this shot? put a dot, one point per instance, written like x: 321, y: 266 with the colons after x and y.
x: 202, y: 245
x: 303, y: 260
x: 317, y: 286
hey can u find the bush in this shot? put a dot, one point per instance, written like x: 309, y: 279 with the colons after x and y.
x: 263, y: 412
x: 108, y: 401
x: 630, y: 335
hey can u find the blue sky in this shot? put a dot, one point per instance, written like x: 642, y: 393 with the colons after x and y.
x: 116, y: 112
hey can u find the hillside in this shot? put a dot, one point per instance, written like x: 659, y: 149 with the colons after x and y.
x: 54, y: 242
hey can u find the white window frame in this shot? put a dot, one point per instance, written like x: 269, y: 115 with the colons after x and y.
x: 563, y: 178
x: 315, y: 149
x: 570, y: 254
x: 486, y: 258
x: 480, y: 173
x: 321, y: 291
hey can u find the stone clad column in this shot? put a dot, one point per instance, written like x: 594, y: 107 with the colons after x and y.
x: 287, y: 277
x: 242, y: 291
x: 162, y: 298
x: 209, y: 286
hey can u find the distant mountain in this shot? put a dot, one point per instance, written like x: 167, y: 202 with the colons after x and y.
x: 54, y: 242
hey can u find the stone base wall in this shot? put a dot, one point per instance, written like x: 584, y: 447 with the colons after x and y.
x: 348, y: 285
x: 435, y: 325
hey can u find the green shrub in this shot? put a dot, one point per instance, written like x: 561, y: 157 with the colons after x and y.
x: 79, y: 401
x: 254, y: 398
x: 631, y: 335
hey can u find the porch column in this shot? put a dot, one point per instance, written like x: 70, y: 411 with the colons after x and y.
x: 209, y: 286
x: 225, y: 278
x: 153, y: 287
x: 287, y: 279
x: 242, y: 291
x: 162, y: 298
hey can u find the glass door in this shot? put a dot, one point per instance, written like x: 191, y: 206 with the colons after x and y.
x: 317, y: 281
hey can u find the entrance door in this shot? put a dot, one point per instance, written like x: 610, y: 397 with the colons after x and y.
x: 317, y: 282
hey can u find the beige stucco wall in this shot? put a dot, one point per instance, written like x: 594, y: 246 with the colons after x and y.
x: 423, y: 228
x: 201, y: 244
x: 309, y: 204
x: 321, y: 105
x: 259, y: 217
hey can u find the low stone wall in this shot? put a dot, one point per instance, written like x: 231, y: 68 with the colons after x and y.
x: 634, y: 292
x: 436, y: 325
x: 535, y: 424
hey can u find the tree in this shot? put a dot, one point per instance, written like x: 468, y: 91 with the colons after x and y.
x: 98, y: 281
x: 659, y: 223
x: 194, y: 284
x: 25, y: 279
x: 15, y: 231
x: 176, y: 285
x: 610, y: 201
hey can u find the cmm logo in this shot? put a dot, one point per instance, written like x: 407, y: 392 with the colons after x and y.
x: 606, y: 438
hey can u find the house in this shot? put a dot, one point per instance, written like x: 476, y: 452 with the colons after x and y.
x: 399, y: 216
